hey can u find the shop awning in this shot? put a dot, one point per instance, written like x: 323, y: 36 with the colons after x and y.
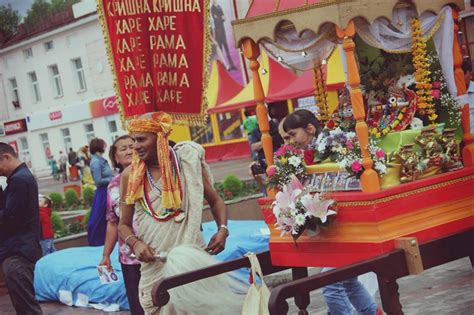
x: 274, y: 78
x: 221, y: 86
x: 333, y: 73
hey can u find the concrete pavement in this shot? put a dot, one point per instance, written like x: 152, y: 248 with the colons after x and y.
x: 444, y: 290
x: 219, y: 170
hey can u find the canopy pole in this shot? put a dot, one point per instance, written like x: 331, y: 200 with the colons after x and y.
x: 370, y: 179
x: 251, y: 52
x: 468, y: 138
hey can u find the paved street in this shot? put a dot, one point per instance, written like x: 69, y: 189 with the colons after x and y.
x: 447, y: 289
x: 444, y: 290
x: 219, y: 170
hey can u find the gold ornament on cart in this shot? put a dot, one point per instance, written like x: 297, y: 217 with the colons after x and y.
x: 452, y: 158
x: 409, y: 160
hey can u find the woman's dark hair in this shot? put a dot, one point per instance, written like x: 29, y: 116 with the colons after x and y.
x: 113, y: 150
x: 466, y: 65
x: 97, y: 145
x: 300, y: 119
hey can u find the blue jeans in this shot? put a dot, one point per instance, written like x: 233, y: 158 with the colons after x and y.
x: 341, y: 296
x: 47, y: 246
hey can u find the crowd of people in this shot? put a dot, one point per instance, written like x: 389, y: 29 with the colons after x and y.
x: 173, y: 180
x: 73, y: 166
x: 151, y: 204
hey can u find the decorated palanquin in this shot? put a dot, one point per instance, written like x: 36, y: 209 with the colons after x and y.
x: 396, y: 158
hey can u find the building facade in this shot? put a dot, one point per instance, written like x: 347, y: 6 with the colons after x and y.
x: 56, y: 88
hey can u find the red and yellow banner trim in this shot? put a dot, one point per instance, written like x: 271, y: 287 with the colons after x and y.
x: 159, y: 53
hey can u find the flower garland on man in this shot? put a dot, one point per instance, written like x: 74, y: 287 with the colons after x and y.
x: 165, y: 188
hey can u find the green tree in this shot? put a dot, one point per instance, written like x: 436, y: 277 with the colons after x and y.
x: 60, y: 5
x: 38, y: 11
x: 9, y: 20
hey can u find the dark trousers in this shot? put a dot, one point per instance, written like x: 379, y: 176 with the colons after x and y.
x: 19, y: 274
x: 131, y: 277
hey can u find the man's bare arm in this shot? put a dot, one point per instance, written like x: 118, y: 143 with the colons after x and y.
x: 219, y: 212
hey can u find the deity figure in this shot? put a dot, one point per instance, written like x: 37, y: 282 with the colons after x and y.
x: 452, y: 158
x: 343, y: 116
x: 409, y: 160
x: 396, y: 114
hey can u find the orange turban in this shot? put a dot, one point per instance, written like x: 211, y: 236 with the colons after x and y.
x: 158, y: 123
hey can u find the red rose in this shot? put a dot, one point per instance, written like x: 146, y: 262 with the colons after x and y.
x: 309, y: 156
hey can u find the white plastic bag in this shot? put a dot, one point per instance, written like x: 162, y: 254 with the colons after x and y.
x: 256, y: 301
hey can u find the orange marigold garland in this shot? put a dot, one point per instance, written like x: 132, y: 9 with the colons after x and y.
x: 422, y: 74
x: 320, y: 95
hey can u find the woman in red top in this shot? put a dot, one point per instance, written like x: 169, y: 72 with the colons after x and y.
x: 47, y: 231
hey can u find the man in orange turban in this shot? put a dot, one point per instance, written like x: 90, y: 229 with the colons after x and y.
x: 164, y: 191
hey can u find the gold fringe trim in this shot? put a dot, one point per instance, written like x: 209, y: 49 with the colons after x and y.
x: 405, y: 194
x: 187, y: 119
x: 110, y: 59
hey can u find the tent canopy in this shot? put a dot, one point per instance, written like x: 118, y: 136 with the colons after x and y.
x: 333, y: 73
x: 274, y: 78
x: 264, y: 16
x: 221, y: 86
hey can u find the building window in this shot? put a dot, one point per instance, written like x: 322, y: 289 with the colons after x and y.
x: 15, y: 93
x: 28, y: 53
x: 67, y: 139
x: 35, y: 87
x: 24, y: 151
x: 89, y: 132
x: 46, y: 148
x: 202, y: 134
x: 229, y: 125
x: 56, y: 80
x: 48, y: 45
x: 79, y: 75
x: 113, y: 130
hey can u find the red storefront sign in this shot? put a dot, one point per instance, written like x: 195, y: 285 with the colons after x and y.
x: 15, y: 126
x: 103, y: 107
x: 56, y: 115
x: 160, y: 52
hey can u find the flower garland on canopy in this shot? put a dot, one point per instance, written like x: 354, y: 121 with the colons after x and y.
x: 320, y: 95
x: 422, y: 73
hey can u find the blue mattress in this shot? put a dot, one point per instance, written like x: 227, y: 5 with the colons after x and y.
x: 74, y: 270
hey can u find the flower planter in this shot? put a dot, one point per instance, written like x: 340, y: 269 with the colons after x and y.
x: 75, y: 240
x: 368, y: 223
x: 245, y: 208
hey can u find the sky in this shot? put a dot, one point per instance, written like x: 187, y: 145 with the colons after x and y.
x: 20, y: 5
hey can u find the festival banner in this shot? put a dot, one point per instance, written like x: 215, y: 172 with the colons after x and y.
x: 159, y: 52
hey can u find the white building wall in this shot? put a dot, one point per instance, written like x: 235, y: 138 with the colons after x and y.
x: 81, y: 39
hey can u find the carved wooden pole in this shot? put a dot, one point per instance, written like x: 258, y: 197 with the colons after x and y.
x: 468, y: 138
x: 251, y: 52
x: 369, y: 179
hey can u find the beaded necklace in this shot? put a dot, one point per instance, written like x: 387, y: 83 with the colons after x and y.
x: 145, y: 202
x: 152, y: 183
